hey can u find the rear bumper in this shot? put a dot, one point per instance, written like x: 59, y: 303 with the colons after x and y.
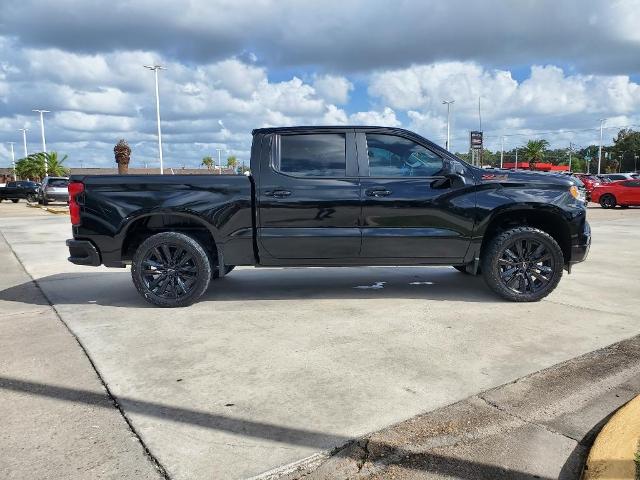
x: 580, y: 250
x: 83, y: 252
x: 56, y: 197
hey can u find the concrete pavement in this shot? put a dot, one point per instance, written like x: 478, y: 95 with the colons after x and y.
x: 46, y: 434
x: 276, y: 366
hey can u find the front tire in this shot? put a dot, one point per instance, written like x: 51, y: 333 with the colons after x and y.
x: 523, y: 264
x: 171, y: 269
x: 608, y: 201
x: 31, y: 198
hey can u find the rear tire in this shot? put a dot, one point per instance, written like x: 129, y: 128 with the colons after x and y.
x: 171, y: 269
x: 608, y: 201
x: 31, y: 198
x: 15, y: 200
x: 45, y: 201
x: 523, y: 264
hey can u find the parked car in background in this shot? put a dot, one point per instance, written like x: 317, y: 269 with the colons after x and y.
x: 625, y: 193
x: 612, y: 177
x: 589, y: 181
x: 20, y: 190
x: 53, y: 189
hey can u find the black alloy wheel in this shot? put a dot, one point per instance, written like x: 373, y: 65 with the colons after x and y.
x: 526, y: 266
x: 171, y: 269
x: 31, y: 198
x: 523, y: 264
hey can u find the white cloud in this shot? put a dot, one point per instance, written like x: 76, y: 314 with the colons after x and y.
x: 386, y: 118
x: 333, y: 88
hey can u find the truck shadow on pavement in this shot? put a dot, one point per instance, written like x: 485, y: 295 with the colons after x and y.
x: 359, y: 451
x: 109, y: 288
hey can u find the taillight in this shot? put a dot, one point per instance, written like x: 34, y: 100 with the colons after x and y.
x: 75, y: 189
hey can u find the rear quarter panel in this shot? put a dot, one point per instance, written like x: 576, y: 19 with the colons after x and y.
x: 111, y: 203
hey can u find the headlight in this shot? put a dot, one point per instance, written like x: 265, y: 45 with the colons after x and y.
x: 576, y: 193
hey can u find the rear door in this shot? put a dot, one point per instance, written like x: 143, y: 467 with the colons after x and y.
x: 410, y: 209
x: 309, y: 197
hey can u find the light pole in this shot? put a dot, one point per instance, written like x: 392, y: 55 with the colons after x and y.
x: 602, y: 120
x: 501, y: 151
x: 516, y: 158
x: 569, y: 156
x: 448, y: 104
x: 220, y: 158
x: 24, y: 140
x: 155, y: 69
x: 44, y: 143
x: 13, y: 160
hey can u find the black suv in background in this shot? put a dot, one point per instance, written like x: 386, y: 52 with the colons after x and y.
x: 20, y: 190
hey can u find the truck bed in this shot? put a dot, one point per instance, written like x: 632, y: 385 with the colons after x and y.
x: 112, y: 205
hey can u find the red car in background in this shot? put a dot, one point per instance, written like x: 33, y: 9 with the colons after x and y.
x: 590, y: 182
x: 622, y: 192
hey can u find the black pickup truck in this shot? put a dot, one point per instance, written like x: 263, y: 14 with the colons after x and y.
x: 332, y: 196
x: 20, y: 190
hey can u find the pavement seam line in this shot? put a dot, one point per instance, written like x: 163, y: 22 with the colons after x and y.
x: 156, y: 463
x: 517, y: 417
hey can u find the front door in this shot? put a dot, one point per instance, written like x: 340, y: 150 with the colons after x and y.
x: 309, y: 197
x: 410, y: 209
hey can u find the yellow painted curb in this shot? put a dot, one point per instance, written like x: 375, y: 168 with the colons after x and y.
x: 56, y: 211
x: 612, y: 456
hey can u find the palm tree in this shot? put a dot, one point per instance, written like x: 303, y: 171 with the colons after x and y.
x: 33, y: 166
x: 54, y: 165
x: 122, y: 152
x: 232, y: 162
x: 207, y: 162
x: 533, y: 152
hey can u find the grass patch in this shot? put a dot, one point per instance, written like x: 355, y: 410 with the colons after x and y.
x: 637, y: 460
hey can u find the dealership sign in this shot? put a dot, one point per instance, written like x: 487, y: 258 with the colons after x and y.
x: 476, y: 140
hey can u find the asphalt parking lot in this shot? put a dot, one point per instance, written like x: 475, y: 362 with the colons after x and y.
x: 274, y: 366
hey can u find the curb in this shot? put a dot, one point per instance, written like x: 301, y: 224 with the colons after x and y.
x: 614, y: 452
x: 55, y: 211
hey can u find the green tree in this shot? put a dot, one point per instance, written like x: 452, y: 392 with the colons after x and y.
x: 232, y: 162
x: 534, y: 151
x: 33, y: 166
x: 208, y: 162
x: 626, y: 149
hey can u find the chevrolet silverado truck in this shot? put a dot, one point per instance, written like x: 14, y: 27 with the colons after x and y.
x: 332, y: 196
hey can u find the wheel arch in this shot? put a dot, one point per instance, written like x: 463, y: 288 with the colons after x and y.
x: 548, y: 219
x: 137, y: 229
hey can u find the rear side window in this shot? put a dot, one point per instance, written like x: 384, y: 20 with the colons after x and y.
x: 58, y: 183
x: 316, y: 155
x: 392, y: 156
x: 632, y: 183
x: 12, y: 184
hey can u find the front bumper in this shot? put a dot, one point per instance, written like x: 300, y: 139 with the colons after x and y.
x: 580, y: 250
x: 83, y: 252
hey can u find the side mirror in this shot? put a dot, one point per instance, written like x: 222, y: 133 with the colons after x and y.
x: 455, y: 172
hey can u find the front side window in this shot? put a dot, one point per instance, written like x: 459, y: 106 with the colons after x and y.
x: 391, y: 156
x: 315, y: 155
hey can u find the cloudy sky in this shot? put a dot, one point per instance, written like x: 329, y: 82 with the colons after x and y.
x: 231, y: 65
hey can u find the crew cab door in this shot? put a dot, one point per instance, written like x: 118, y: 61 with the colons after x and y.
x: 412, y: 206
x: 309, y: 197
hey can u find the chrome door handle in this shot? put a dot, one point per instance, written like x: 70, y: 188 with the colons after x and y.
x: 278, y: 193
x: 378, y: 192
